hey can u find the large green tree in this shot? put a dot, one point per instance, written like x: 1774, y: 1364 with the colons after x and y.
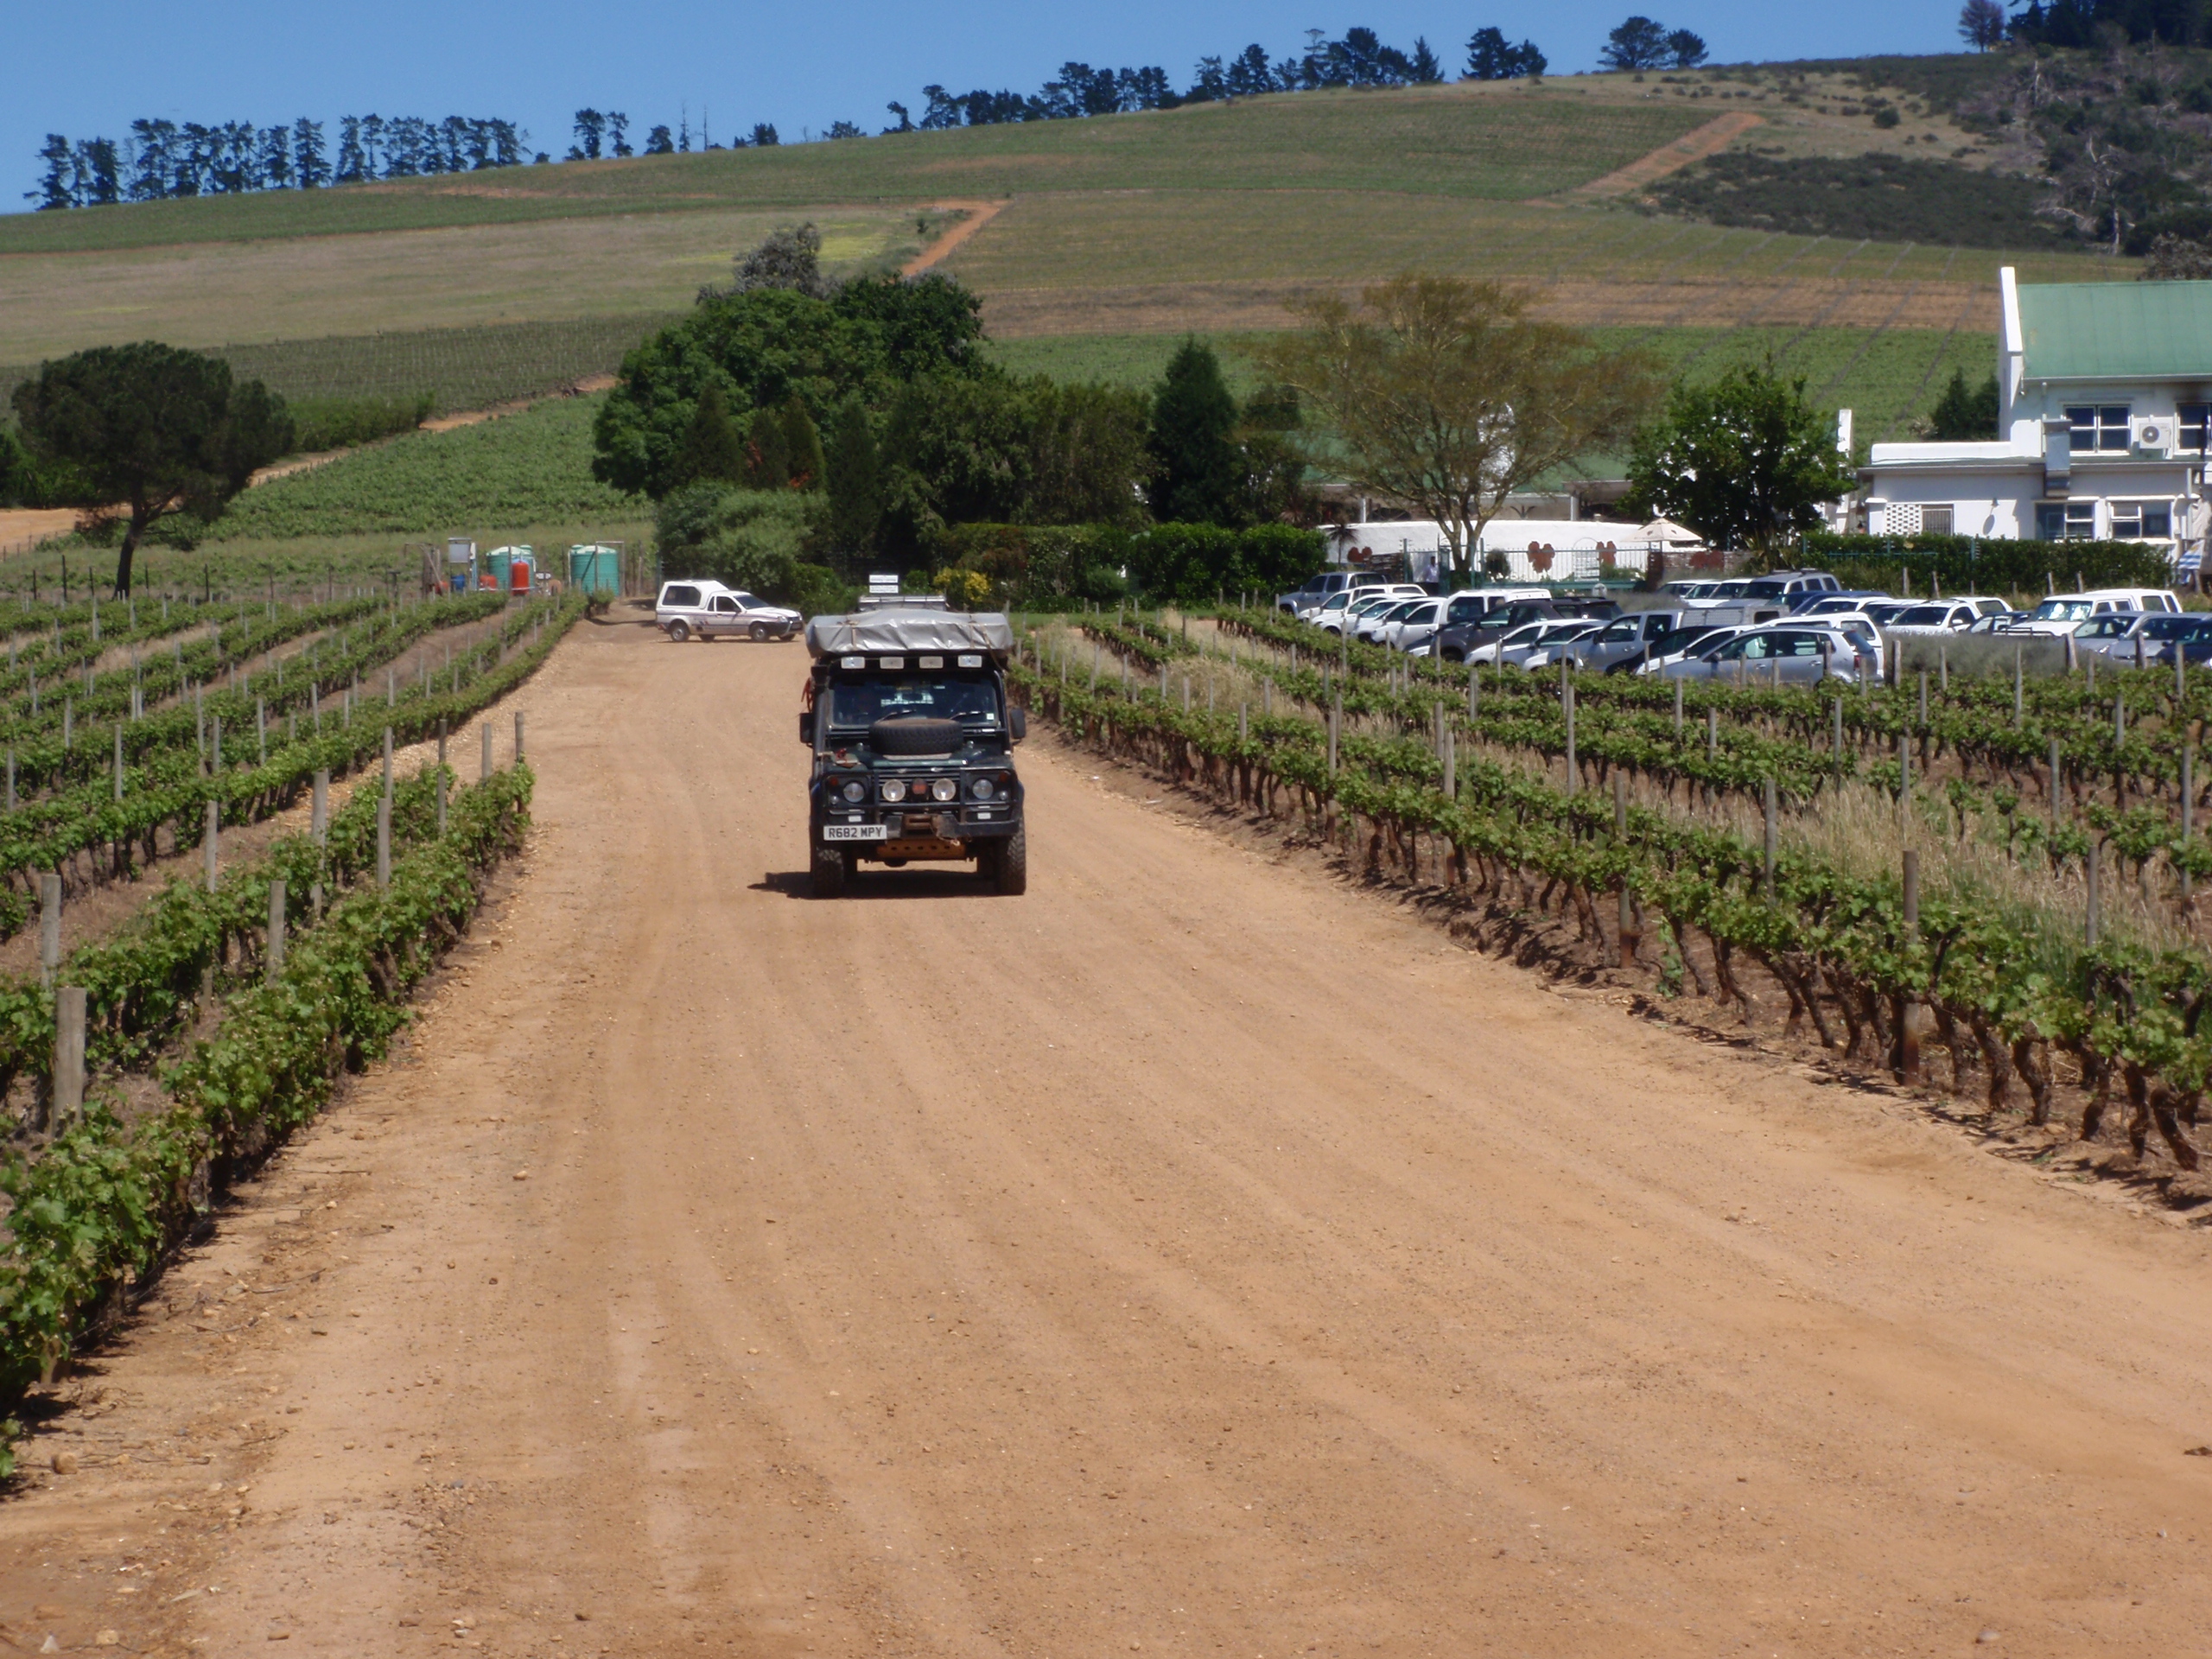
x: 1961, y: 415
x: 713, y: 449
x: 1743, y: 460
x: 1443, y: 394
x: 767, y: 345
x: 992, y: 449
x: 1193, y: 442
x: 145, y: 431
x: 852, y: 481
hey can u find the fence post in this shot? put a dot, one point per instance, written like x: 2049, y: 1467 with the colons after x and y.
x: 68, y: 1055
x: 384, y: 841
x: 1451, y: 761
x: 2089, y: 872
x: 2180, y: 672
x: 387, y: 759
x: 118, y: 762
x: 49, y: 926
x: 2188, y: 809
x: 273, y: 947
x: 518, y: 737
x: 210, y: 840
x: 261, y: 729
x: 1909, y: 1006
x: 12, y: 781
x: 1336, y: 721
x: 1767, y: 881
x: 1837, y: 743
x: 1712, y: 734
x: 485, y: 771
x: 1566, y: 695
x: 1474, y: 689
x: 1904, y: 778
x: 1626, y: 924
x: 2055, y: 795
x: 1678, y: 711
x: 2019, y: 685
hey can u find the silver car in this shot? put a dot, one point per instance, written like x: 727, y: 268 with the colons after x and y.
x: 1784, y: 656
x: 1531, y: 644
x: 2118, y: 634
x: 1622, y: 638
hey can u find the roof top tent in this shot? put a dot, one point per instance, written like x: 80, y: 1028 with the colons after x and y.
x: 872, y: 632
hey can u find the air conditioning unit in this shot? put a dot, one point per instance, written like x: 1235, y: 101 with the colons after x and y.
x: 2151, y: 435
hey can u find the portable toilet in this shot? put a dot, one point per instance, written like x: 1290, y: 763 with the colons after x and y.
x: 491, y: 573
x: 595, y: 568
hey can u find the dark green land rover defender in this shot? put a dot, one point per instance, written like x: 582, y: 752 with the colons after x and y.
x: 913, y: 746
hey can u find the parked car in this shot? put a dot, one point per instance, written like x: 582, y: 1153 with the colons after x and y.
x: 1824, y: 604
x: 1558, y: 647
x: 1622, y: 638
x: 2118, y: 634
x: 1730, y: 592
x: 1688, y: 640
x: 1935, y: 617
x: 1371, y: 627
x: 1791, y: 654
x: 708, y: 610
x: 2193, y: 640
x: 1791, y: 587
x: 1366, y: 601
x: 1516, y: 645
x: 1883, y: 611
x: 1456, y: 640
x: 2062, y: 613
x: 1412, y: 626
x: 1318, y: 587
x: 1997, y: 622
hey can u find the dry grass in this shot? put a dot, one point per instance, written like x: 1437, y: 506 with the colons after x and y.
x: 227, y: 293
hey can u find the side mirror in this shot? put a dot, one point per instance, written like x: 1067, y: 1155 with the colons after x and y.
x: 1017, y: 723
x: 806, y: 727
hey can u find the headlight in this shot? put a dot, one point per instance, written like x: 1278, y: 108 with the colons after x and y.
x: 894, y: 789
x: 983, y: 789
x: 944, y: 788
x: 855, y: 792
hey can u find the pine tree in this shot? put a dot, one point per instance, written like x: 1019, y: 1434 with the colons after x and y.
x: 660, y: 142
x: 853, y: 479
x: 1193, y: 425
x: 307, y: 165
x: 102, y: 171
x: 768, y: 465
x: 712, y: 449
x: 1961, y: 415
x: 1426, y: 70
x: 801, y: 447
x: 54, y: 184
x: 618, y: 130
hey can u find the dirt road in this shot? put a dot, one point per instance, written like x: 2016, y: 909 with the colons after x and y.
x: 1193, y: 1256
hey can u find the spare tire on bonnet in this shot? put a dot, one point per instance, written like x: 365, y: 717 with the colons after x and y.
x: 913, y: 734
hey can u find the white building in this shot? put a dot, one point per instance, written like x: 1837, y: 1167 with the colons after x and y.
x: 2104, y: 408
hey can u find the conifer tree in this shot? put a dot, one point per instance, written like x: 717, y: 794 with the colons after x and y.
x: 712, y: 448
x: 853, y: 479
x: 801, y: 447
x: 1193, y: 424
x: 768, y: 465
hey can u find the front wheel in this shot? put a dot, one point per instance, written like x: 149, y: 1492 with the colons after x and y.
x: 760, y: 632
x: 828, y: 871
x: 1010, y: 864
x: 678, y: 633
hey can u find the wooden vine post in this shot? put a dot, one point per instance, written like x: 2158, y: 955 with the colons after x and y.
x: 1908, y: 1008
x: 1627, y: 927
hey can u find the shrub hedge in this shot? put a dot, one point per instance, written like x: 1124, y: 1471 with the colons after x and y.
x: 1974, y: 564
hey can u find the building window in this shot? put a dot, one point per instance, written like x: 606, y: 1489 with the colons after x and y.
x: 2193, y: 420
x: 1936, y: 520
x: 2136, y: 521
x: 2066, y: 521
x: 2098, y: 428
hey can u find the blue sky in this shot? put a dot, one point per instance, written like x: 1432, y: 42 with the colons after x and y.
x: 799, y: 66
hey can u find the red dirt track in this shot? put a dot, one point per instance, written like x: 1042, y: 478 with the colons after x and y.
x: 1195, y: 1257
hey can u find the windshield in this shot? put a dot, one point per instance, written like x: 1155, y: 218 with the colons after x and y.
x: 1923, y: 616
x: 2063, y: 610
x: 861, y: 700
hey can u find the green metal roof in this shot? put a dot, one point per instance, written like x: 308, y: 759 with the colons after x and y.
x: 2117, y: 331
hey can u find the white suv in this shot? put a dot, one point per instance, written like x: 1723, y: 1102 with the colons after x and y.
x: 710, y: 611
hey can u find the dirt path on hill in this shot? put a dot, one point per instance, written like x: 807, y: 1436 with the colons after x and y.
x: 1195, y: 1257
x: 979, y: 213
x: 1695, y: 145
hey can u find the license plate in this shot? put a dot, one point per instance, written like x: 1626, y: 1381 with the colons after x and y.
x: 855, y: 831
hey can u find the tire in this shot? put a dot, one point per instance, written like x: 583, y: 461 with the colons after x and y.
x: 679, y: 632
x: 1009, y: 866
x: 827, y: 869
x: 760, y: 632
